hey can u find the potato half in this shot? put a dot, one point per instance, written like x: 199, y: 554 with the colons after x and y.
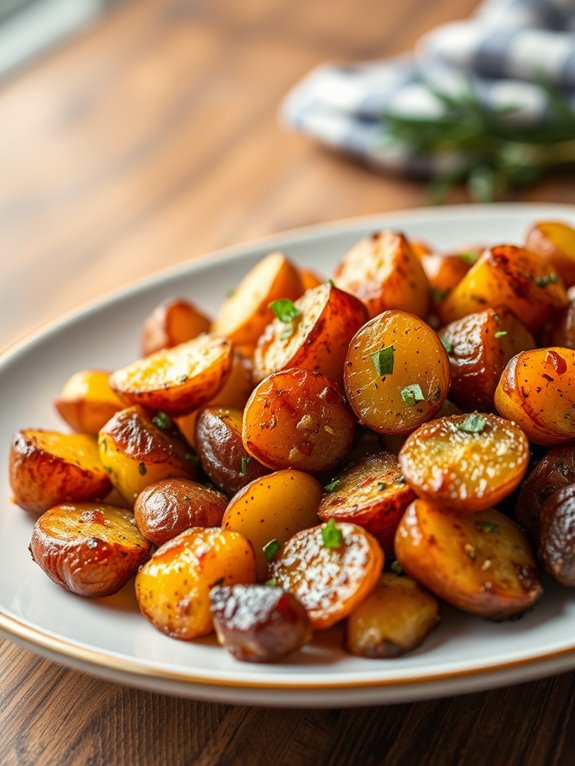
x: 86, y: 401
x: 173, y: 322
x: 554, y: 243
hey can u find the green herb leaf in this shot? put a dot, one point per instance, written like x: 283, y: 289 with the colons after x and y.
x: 381, y: 485
x: 396, y: 567
x: 447, y: 345
x: 192, y: 458
x: 472, y: 424
x: 271, y: 549
x: 383, y: 360
x: 500, y: 333
x: 438, y: 295
x: 162, y: 421
x: 331, y: 282
x: 332, y: 485
x: 331, y: 535
x: 412, y: 394
x: 271, y: 583
x: 546, y: 279
x: 486, y: 526
x: 244, y: 465
x: 469, y: 256
x: 142, y: 470
x: 183, y: 378
x: 285, y: 310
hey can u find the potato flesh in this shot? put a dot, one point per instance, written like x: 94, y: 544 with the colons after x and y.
x: 481, y: 563
x: 173, y: 587
x: 86, y: 401
x: 465, y: 471
x: 418, y: 359
x: 394, y: 619
x: 554, y: 243
x: 173, y: 322
x: 273, y: 507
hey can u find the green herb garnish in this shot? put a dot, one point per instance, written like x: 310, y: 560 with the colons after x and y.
x: 438, y: 295
x: 469, y: 256
x: 486, y: 526
x: 192, y: 458
x: 183, y: 378
x: 381, y: 485
x: 383, y: 360
x: 271, y: 549
x: 332, y: 485
x: 447, y: 345
x: 142, y: 470
x: 472, y: 424
x: 271, y: 583
x: 244, y: 465
x: 412, y: 394
x: 500, y: 333
x: 396, y: 567
x: 285, y: 310
x: 331, y: 535
x: 162, y: 420
x: 546, y: 279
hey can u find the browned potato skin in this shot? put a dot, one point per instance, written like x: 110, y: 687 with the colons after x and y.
x: 319, y: 338
x: 561, y: 331
x: 372, y: 493
x: 170, y: 506
x: 309, y: 279
x: 554, y: 243
x: 41, y: 479
x: 480, y: 563
x: 557, y: 535
x: 479, y: 354
x: 385, y: 273
x: 90, y: 549
x: 508, y: 276
x: 394, y: 619
x: 171, y: 323
x: 298, y: 419
x: 463, y: 471
x: 552, y: 472
x: 221, y: 450
x: 444, y: 272
x: 86, y: 401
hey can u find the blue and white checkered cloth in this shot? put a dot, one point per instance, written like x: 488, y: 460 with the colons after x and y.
x: 503, y: 52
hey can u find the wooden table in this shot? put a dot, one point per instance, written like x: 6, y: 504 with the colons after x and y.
x: 149, y: 139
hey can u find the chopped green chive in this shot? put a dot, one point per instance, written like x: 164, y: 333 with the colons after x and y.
x: 469, y: 256
x: 192, y: 458
x: 332, y: 485
x: 396, y: 567
x: 244, y: 465
x: 473, y: 424
x: 412, y: 394
x: 331, y: 535
x: 383, y: 360
x: 162, y: 420
x: 142, y: 469
x: 284, y: 309
x: 271, y: 583
x: 546, y: 279
x: 271, y: 549
x: 381, y: 485
x: 438, y: 295
x: 447, y: 345
x: 486, y: 526
x: 331, y: 282
x: 500, y: 333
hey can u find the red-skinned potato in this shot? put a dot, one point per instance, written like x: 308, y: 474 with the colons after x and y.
x: 86, y: 401
x: 557, y: 535
x: 173, y: 322
x: 554, y: 243
x: 561, y: 331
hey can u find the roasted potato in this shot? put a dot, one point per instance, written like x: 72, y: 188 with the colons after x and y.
x: 554, y: 244
x: 557, y: 535
x: 90, y: 549
x: 444, y: 272
x: 537, y: 391
x: 508, y: 276
x: 259, y: 623
x: 170, y: 506
x: 86, y: 401
x: 330, y: 569
x: 312, y: 333
x: 394, y: 619
x: 244, y: 314
x: 372, y: 493
x: 396, y: 373
x: 177, y: 380
x: 136, y: 452
x: 465, y: 462
x: 47, y: 468
x: 309, y: 279
x: 173, y: 322
x: 298, y: 419
x: 221, y: 450
x: 173, y: 587
x: 481, y: 563
x: 479, y: 346
x: 561, y: 331
x: 273, y: 508
x: 385, y: 273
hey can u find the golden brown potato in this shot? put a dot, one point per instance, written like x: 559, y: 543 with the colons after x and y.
x: 137, y: 452
x: 384, y: 273
x: 244, y: 314
x: 396, y: 373
x: 90, y: 549
x: 479, y: 346
x: 444, y: 272
x: 554, y: 243
x: 561, y: 331
x: 481, y: 563
x: 273, y: 508
x: 309, y: 279
x: 508, y: 276
x: 372, y: 493
x: 47, y: 468
x: 330, y: 569
x: 298, y: 419
x: 394, y: 619
x: 557, y: 535
x: 86, y: 401
x: 173, y: 322
x: 465, y: 462
x: 312, y: 333
x: 170, y: 506
x: 537, y: 391
x: 221, y: 450
x: 173, y: 587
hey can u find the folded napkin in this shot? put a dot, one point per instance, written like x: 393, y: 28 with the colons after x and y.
x: 502, y: 55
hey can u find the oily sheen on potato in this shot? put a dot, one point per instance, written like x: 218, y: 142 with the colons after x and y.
x: 86, y: 401
x: 173, y: 322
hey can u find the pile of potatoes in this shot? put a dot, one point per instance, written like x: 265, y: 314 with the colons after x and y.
x: 352, y: 449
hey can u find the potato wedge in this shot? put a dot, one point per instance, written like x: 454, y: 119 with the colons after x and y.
x: 554, y: 243
x: 309, y: 279
x: 298, y: 419
x: 330, y: 569
x: 385, y: 273
x: 170, y: 506
x: 394, y: 619
x: 508, y: 276
x: 245, y: 313
x: 537, y: 391
x: 479, y: 346
x: 481, y: 563
x: 136, y: 453
x: 273, y: 507
x: 179, y: 379
x: 396, y: 373
x: 372, y: 492
x: 444, y: 272
x: 557, y: 535
x: 86, y: 401
x: 90, y: 549
x: 173, y: 587
x: 173, y: 322
x: 323, y: 322
x: 465, y: 462
x: 47, y: 468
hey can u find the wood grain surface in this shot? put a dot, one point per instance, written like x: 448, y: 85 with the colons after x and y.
x: 149, y: 139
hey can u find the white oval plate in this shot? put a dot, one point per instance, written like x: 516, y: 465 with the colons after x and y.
x: 109, y: 638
